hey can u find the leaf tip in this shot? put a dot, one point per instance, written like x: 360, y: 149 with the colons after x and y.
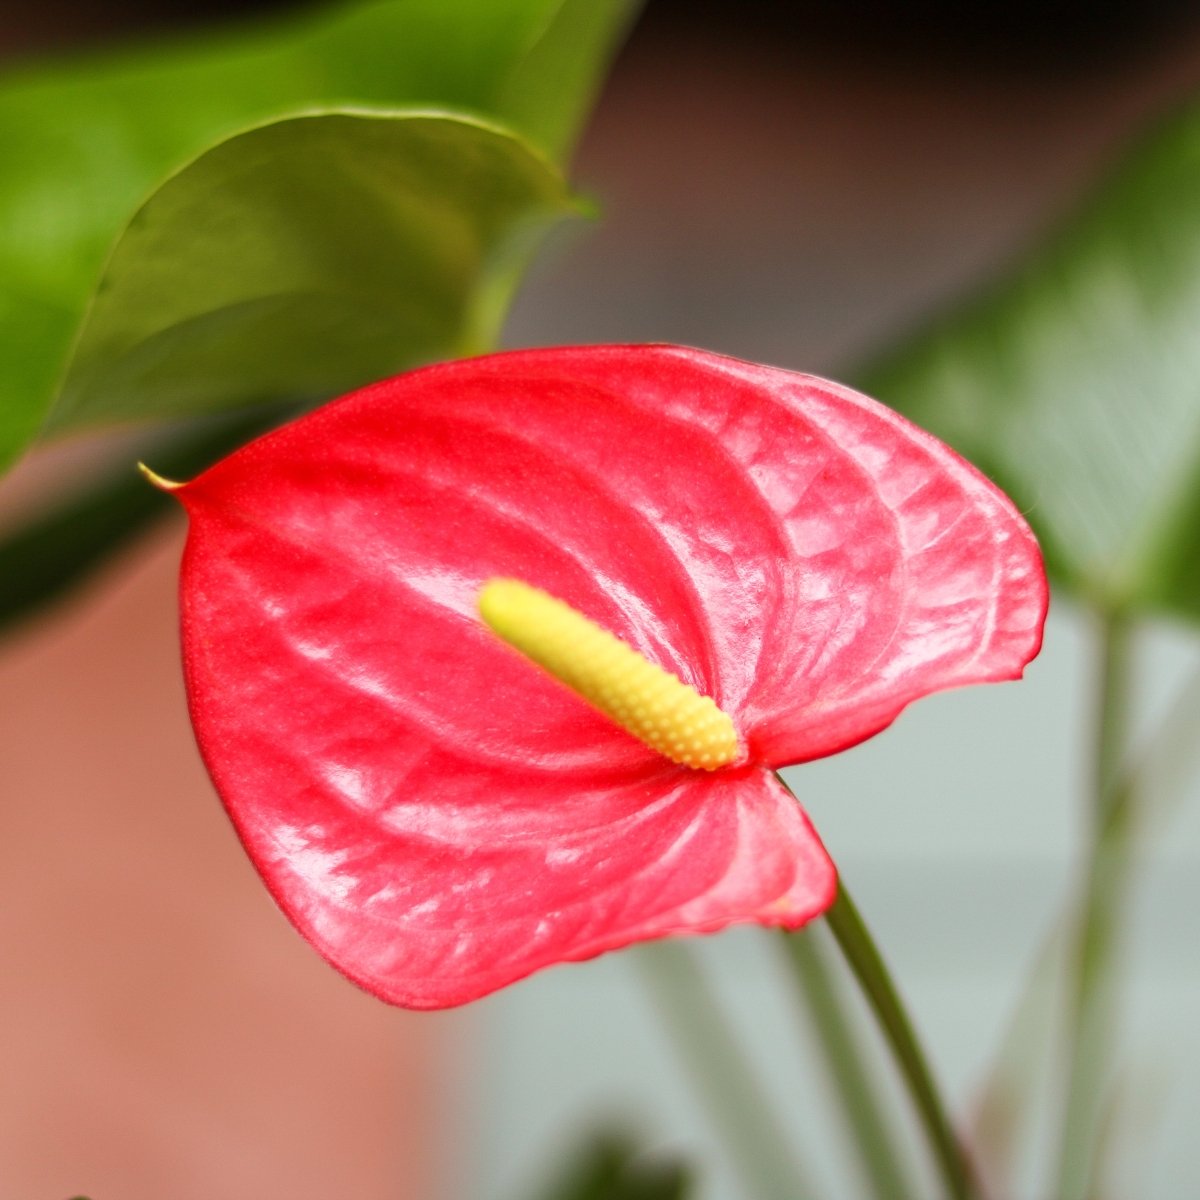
x: 163, y: 485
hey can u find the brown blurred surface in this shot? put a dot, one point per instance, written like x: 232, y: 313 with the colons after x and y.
x: 32, y: 28
x: 165, y: 1033
x: 804, y: 199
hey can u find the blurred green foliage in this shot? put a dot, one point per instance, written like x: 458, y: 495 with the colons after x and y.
x: 609, y: 1167
x: 87, y: 142
x: 1075, y: 383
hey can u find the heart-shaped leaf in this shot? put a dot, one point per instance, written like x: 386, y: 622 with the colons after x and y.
x: 439, y: 816
x: 1076, y: 384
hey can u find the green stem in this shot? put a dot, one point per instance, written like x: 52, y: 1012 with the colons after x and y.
x: 1166, y: 763
x: 876, y: 982
x: 693, y: 1017
x: 1112, y: 704
x: 865, y: 1116
x: 1095, y: 939
x: 1157, y: 778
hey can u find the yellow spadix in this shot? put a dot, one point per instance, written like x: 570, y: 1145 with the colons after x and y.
x: 654, y: 705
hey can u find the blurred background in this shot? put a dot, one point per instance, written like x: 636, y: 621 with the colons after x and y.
x: 793, y: 183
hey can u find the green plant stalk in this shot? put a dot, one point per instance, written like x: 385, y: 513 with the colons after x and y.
x: 866, y: 1119
x: 873, y: 977
x: 865, y: 961
x: 1091, y: 1015
x: 745, y: 1114
x: 1157, y: 777
x: 1006, y: 1107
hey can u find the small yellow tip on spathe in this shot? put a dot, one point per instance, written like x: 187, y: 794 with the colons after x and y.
x: 655, y: 706
x: 163, y: 485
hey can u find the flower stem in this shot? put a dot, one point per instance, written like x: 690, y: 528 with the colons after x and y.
x: 735, y: 1100
x: 843, y: 1051
x: 876, y: 982
x: 1095, y: 936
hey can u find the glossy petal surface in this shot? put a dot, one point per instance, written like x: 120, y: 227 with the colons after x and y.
x: 439, y: 817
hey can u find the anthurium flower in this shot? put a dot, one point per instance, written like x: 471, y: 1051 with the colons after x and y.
x: 693, y: 571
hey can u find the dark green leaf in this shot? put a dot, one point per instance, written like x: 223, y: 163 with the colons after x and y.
x: 85, y: 143
x: 1076, y: 384
x: 305, y: 257
x: 609, y: 1167
x: 59, y: 547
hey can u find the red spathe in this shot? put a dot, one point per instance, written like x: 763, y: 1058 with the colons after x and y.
x: 439, y: 817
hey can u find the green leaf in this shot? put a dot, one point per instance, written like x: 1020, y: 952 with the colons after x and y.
x: 549, y: 91
x: 85, y: 143
x: 1075, y: 383
x: 608, y: 1167
x: 305, y: 257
